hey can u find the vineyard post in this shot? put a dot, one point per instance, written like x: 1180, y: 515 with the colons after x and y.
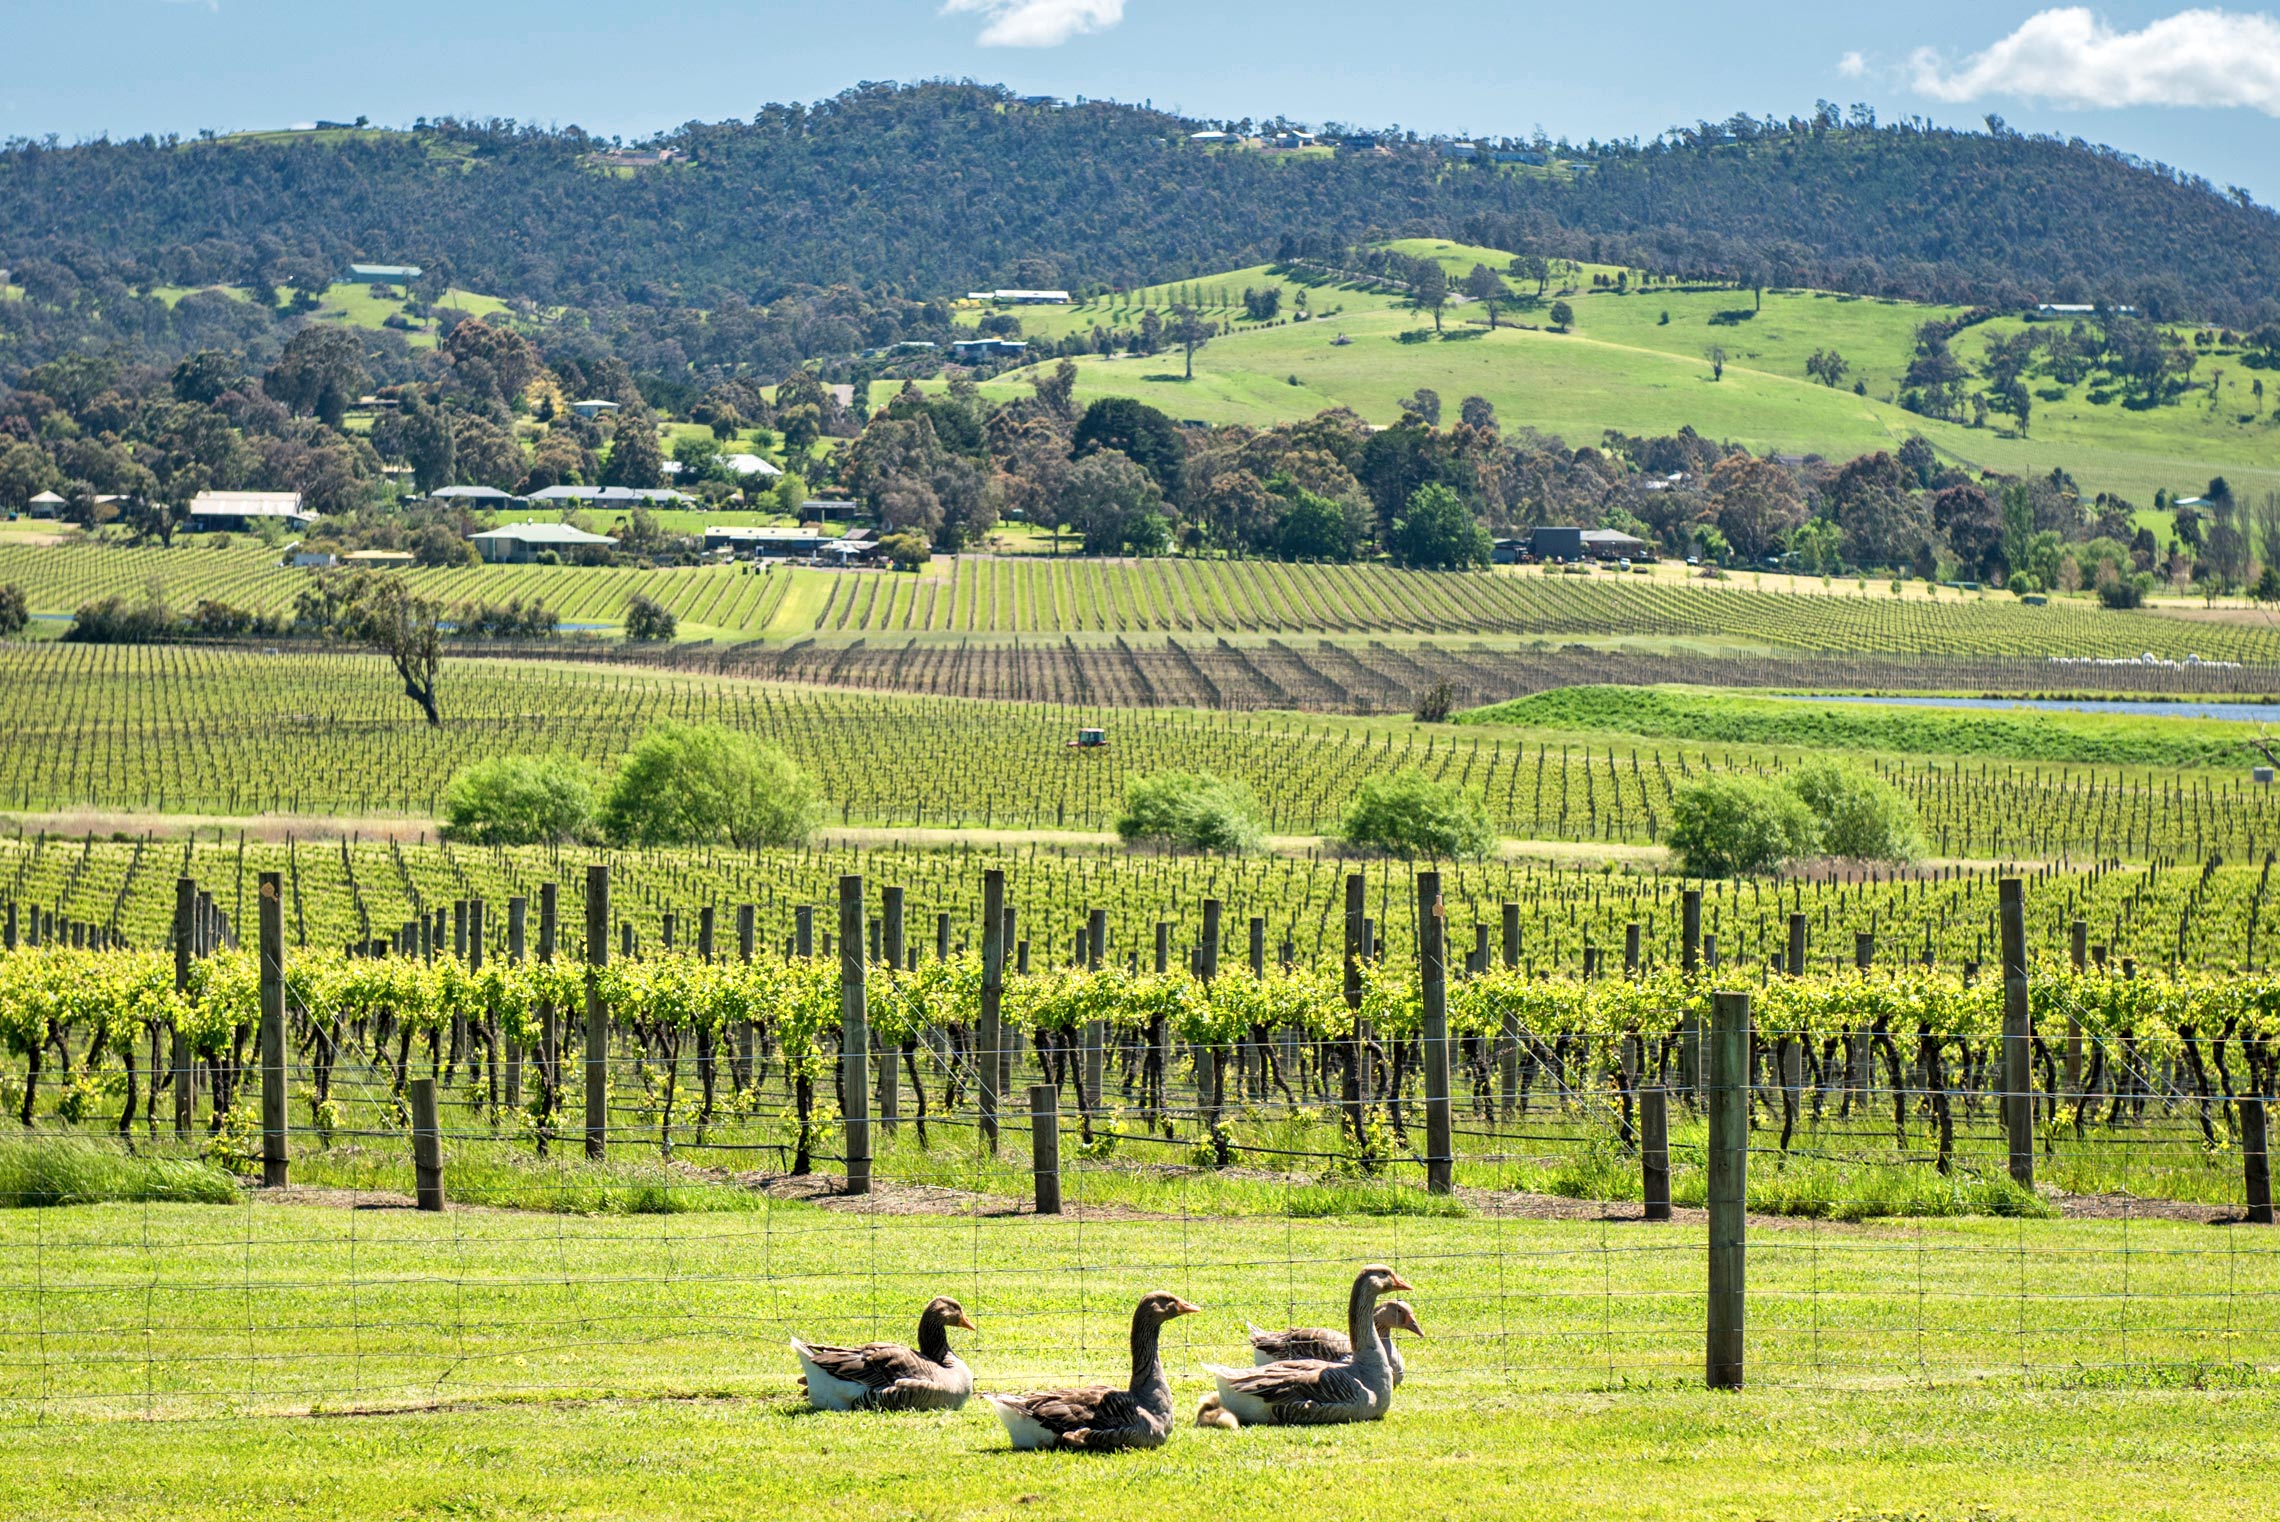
x: 2018, y: 1031
x: 549, y: 1023
x: 1654, y: 1151
x: 1860, y: 1052
x: 8, y: 936
x: 1254, y: 1056
x: 854, y: 1034
x: 273, y: 1115
x: 891, y: 926
x: 1508, y: 1037
x: 185, y: 1068
x: 1690, y: 965
x: 1161, y: 1036
x: 597, y: 1013
x: 1631, y: 949
x: 942, y: 937
x: 1045, y: 1146
x: 746, y: 937
x: 1096, y: 1031
x: 518, y: 946
x: 1212, y: 1077
x: 1358, y: 1045
x: 803, y: 931
x: 1433, y: 971
x: 1729, y: 1160
x: 1790, y: 1045
x: 993, y: 985
x: 427, y: 1144
x: 2256, y: 1159
x: 2078, y: 947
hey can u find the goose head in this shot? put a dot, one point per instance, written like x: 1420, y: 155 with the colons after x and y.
x: 944, y: 1311
x: 1161, y: 1306
x: 1395, y: 1315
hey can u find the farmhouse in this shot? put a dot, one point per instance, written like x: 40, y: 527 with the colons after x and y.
x: 239, y: 511
x: 489, y: 496
x: 46, y: 505
x: 610, y: 496
x: 751, y: 465
x: 520, y: 543
x: 383, y: 274
x: 593, y: 408
x: 1569, y: 543
x: 765, y: 543
x: 972, y: 350
x: 829, y: 510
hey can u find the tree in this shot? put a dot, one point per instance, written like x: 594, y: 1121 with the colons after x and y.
x: 647, y: 619
x: 1140, y: 432
x: 1477, y: 412
x: 1192, y: 811
x: 1114, y: 505
x: 635, y: 459
x: 1424, y: 404
x: 1716, y: 354
x: 1755, y: 502
x: 1315, y: 527
x: 702, y: 785
x: 1872, y: 500
x: 1563, y: 316
x: 1429, y: 288
x: 1973, y: 526
x: 1859, y: 815
x: 15, y: 613
x: 1407, y: 813
x: 1532, y: 267
x: 382, y: 611
x: 429, y: 447
x: 519, y: 801
x: 1485, y: 286
x: 1437, y: 531
x: 1191, y: 332
x: 1734, y: 826
x: 320, y: 373
x: 1828, y: 367
x: 1262, y: 305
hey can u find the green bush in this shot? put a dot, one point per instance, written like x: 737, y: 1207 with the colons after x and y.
x: 14, y: 613
x: 1859, y: 814
x: 648, y: 619
x: 519, y: 801
x: 1732, y: 826
x: 1407, y: 813
x: 1192, y: 811
x: 701, y: 785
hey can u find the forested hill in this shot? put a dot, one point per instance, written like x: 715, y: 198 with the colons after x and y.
x: 930, y: 189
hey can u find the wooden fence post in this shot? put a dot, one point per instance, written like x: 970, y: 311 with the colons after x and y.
x: 2256, y: 1160
x: 185, y: 1065
x: 1654, y: 1151
x: 1045, y: 1145
x: 518, y: 944
x: 597, y: 1013
x: 2078, y: 946
x: 549, y: 1023
x: 1729, y: 1171
x: 1432, y: 958
x: 1508, y: 1035
x: 855, y: 1033
x: 427, y: 1144
x: 993, y: 990
x: 2018, y: 1033
x: 1357, y: 1046
x: 1096, y: 1031
x: 274, y: 1167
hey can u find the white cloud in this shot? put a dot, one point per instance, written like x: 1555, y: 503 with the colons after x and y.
x: 1037, y: 23
x: 2074, y: 57
x: 1853, y: 65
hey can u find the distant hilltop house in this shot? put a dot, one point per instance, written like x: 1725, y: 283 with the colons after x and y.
x: 594, y: 407
x: 976, y: 350
x: 1463, y: 150
x: 751, y: 465
x: 1529, y: 156
x: 1021, y: 298
x: 520, y: 543
x: 765, y: 543
x: 610, y: 496
x: 237, y: 512
x: 1213, y: 137
x: 637, y: 158
x: 1293, y: 138
x: 486, y: 495
x: 383, y: 274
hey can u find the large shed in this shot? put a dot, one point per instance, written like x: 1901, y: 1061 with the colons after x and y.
x: 520, y: 543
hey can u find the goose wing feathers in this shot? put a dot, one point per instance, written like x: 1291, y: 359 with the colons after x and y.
x: 1297, y: 1391
x: 877, y: 1366
x: 1311, y: 1342
x: 1094, y: 1417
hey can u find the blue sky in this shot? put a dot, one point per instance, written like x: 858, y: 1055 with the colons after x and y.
x: 2199, y: 88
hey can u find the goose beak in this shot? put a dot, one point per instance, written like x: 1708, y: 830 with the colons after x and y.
x: 1188, y: 1308
x: 965, y: 1321
x: 1400, y: 1283
x: 1410, y: 1322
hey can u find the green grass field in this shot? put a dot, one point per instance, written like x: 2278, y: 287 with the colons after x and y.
x: 1636, y: 362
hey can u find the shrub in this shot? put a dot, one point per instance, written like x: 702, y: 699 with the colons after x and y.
x: 1407, y: 813
x: 2123, y: 592
x: 648, y: 619
x: 1435, y: 703
x: 1732, y: 826
x: 700, y: 785
x: 519, y: 801
x: 113, y: 620
x: 1190, y: 810
x: 14, y: 611
x: 1859, y: 814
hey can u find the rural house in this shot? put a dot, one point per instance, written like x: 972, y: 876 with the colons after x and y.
x: 520, y: 543
x: 237, y: 512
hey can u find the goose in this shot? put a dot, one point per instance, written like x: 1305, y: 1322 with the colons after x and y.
x: 1314, y: 1390
x: 886, y: 1376
x: 1097, y: 1418
x: 1332, y: 1347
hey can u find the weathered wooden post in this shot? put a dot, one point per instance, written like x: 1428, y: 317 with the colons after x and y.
x: 747, y: 942
x: 803, y: 931
x: 184, y: 1062
x: 2078, y: 945
x: 1729, y: 1160
x: 1631, y: 949
x: 2018, y: 1033
x: 274, y: 1168
x: 887, y: 935
x: 1508, y: 1035
x: 518, y: 941
x: 427, y: 1144
x: 1433, y: 970
x: 1690, y: 965
x: 854, y: 1034
x: 2256, y: 1160
x: 1357, y: 1047
x: 549, y: 1024
x: 1654, y: 1151
x: 597, y: 1012
x: 1045, y: 1145
x: 1096, y: 1031
x: 993, y: 990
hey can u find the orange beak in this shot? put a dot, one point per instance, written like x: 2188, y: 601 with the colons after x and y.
x: 1188, y: 1308
x: 1401, y: 1283
x: 965, y: 1321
